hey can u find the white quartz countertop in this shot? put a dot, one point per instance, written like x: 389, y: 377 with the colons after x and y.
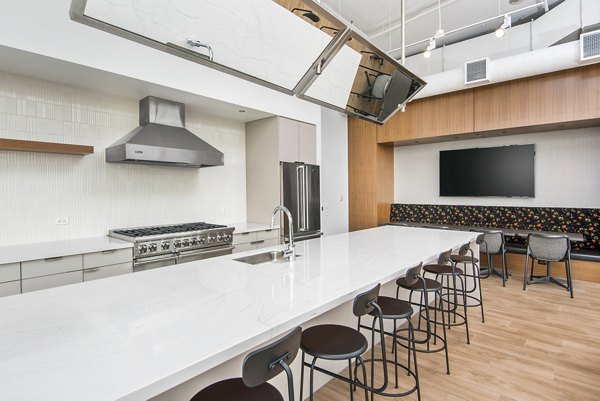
x: 43, y: 250
x: 247, y: 227
x: 134, y: 336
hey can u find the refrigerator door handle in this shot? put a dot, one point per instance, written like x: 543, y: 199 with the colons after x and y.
x: 300, y: 194
x: 306, y: 199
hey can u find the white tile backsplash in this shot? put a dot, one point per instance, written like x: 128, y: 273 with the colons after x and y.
x: 37, y: 188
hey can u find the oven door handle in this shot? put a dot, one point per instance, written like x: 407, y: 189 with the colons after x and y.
x: 204, y: 251
x: 151, y: 259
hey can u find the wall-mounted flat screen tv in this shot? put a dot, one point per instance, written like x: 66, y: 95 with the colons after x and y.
x: 500, y: 171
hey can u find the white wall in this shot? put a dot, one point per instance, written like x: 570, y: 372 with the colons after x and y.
x: 567, y: 170
x: 334, y: 172
x: 37, y: 188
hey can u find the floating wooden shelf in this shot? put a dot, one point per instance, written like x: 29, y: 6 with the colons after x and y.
x: 45, y: 147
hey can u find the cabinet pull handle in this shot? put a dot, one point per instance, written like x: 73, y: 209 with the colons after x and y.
x: 53, y: 259
x: 93, y: 269
x: 109, y: 251
x: 245, y: 233
x: 257, y: 242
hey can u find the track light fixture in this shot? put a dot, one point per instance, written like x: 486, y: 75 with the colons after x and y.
x: 430, y: 47
x: 505, y: 25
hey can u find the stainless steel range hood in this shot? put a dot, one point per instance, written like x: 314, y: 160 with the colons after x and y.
x: 161, y: 139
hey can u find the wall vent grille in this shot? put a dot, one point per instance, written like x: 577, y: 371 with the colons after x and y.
x: 590, y: 45
x: 477, y: 71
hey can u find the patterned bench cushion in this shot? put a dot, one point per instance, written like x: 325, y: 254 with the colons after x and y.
x: 572, y: 220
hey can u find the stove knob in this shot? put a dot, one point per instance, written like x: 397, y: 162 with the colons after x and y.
x: 211, y: 239
x: 165, y: 245
x: 143, y: 249
x: 202, y: 240
x: 228, y: 237
x: 194, y: 241
x: 152, y: 247
x: 220, y: 238
x: 186, y: 242
x: 177, y: 244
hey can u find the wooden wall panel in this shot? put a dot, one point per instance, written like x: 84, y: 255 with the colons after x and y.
x: 370, y: 176
x: 385, y: 182
x: 562, y: 96
x: 362, y: 174
x: 446, y: 114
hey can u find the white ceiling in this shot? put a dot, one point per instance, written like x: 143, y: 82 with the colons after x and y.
x: 375, y: 17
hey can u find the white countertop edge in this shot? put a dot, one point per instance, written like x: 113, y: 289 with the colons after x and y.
x: 53, y: 249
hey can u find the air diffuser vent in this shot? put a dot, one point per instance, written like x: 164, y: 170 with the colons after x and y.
x: 590, y: 45
x: 477, y: 71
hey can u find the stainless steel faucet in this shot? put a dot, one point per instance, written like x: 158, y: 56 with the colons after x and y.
x: 290, y: 251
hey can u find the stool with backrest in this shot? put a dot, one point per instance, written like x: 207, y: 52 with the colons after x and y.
x: 494, y: 244
x: 338, y: 343
x: 450, y: 276
x: 397, y: 310
x: 428, y: 337
x: 259, y: 367
x: 548, y: 248
x: 467, y: 256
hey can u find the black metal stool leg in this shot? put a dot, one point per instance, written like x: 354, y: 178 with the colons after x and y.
x: 465, y: 308
x: 444, y: 330
x: 480, y: 292
x: 312, y: 374
x: 364, y: 370
x: 414, y: 350
x: 302, y: 376
x: 351, y: 379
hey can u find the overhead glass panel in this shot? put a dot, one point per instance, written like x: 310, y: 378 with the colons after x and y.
x: 275, y: 42
x: 377, y: 84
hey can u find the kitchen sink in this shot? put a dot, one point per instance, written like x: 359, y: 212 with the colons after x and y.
x: 264, y: 258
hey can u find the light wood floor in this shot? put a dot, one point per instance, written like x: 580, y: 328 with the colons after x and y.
x: 537, y: 344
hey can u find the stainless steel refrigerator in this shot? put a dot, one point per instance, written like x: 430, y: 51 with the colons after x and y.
x: 300, y: 193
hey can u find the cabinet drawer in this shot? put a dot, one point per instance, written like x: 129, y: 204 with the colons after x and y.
x: 106, y: 258
x: 242, y: 238
x: 269, y: 242
x: 10, y: 272
x: 10, y: 288
x: 45, y: 267
x: 267, y: 234
x: 55, y: 280
x: 244, y: 247
x: 107, y: 271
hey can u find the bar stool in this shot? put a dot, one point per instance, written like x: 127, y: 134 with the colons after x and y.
x: 447, y: 270
x: 396, y: 309
x: 548, y: 248
x: 466, y: 255
x: 494, y: 244
x: 425, y: 286
x: 337, y: 343
x: 259, y: 366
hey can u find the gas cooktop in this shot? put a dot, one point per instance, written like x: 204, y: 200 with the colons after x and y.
x: 168, y: 229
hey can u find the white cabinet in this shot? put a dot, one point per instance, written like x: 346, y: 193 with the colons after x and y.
x: 297, y: 141
x: 33, y: 275
x: 268, y: 142
x: 247, y: 241
x: 10, y: 272
x: 45, y: 267
x: 96, y: 273
x: 54, y: 280
x: 10, y: 288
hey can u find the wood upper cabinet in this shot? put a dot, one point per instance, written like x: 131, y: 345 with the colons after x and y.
x: 447, y: 114
x: 535, y: 103
x: 562, y: 96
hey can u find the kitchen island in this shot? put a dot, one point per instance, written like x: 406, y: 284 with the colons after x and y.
x: 136, y: 336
